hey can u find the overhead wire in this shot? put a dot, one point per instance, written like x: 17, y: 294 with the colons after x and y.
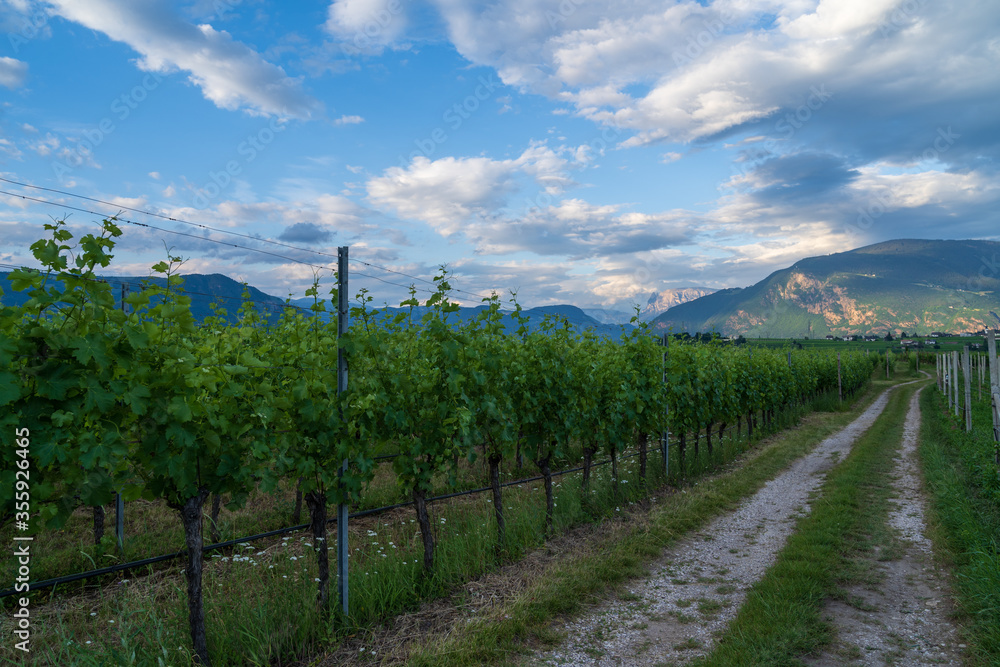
x: 127, y: 221
x: 214, y: 229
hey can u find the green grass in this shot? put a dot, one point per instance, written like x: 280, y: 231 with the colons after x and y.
x: 259, y: 598
x: 781, y: 618
x: 943, y: 344
x: 965, y: 515
x: 570, y: 583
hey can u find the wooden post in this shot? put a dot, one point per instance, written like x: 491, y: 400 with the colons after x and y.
x: 665, y: 433
x: 954, y: 379
x: 996, y: 428
x: 840, y: 381
x: 947, y: 378
x: 991, y: 358
x: 967, y: 369
x: 342, y: 315
x: 979, y: 374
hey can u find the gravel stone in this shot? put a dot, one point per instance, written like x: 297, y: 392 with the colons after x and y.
x: 906, y: 617
x: 697, y: 586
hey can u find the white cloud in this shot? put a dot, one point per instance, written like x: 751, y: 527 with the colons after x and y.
x: 10, y: 149
x: 444, y: 193
x: 349, y: 120
x: 686, y: 71
x: 451, y: 192
x: 12, y: 72
x: 46, y: 146
x: 366, y: 26
x: 230, y: 74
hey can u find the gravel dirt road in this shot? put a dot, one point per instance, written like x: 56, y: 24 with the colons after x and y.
x: 696, y: 588
x: 903, y: 619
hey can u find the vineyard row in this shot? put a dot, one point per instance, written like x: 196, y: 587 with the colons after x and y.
x: 153, y: 404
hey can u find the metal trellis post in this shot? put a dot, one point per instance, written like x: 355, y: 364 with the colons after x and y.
x: 342, y: 314
x: 665, y: 434
x: 119, y: 502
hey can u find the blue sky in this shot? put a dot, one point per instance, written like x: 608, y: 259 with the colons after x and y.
x: 578, y: 151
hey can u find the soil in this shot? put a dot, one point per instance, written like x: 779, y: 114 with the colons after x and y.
x: 903, y: 617
x: 696, y: 588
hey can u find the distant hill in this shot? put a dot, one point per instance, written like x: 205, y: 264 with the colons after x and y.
x: 904, y: 285
x: 227, y: 293
x: 606, y: 316
x: 204, y: 290
x: 576, y: 317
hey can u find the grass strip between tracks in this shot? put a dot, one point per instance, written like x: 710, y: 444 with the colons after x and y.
x: 571, y: 582
x: 964, y: 517
x: 782, y: 617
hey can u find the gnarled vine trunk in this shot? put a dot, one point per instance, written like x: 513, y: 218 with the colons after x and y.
x: 191, y: 516
x: 98, y: 523
x: 426, y: 533
x: 588, y: 462
x: 316, y: 502
x: 681, y: 446
x: 614, y: 471
x: 543, y: 464
x: 498, y: 504
x: 643, y: 455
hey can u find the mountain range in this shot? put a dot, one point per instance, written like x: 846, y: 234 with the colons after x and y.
x: 657, y: 304
x: 903, y: 285
x: 222, y: 291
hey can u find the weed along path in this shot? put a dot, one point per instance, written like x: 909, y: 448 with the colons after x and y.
x: 902, y: 615
x: 698, y: 585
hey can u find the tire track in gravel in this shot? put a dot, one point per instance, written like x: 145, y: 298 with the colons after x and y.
x: 905, y: 619
x: 697, y: 586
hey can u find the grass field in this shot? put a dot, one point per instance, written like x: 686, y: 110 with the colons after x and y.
x: 943, y: 344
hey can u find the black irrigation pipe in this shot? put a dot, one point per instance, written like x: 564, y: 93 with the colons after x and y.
x: 50, y: 583
x: 121, y: 567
